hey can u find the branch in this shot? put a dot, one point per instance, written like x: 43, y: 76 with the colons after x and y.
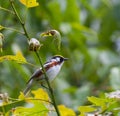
x: 19, y: 18
x: 7, y: 10
x: 8, y: 28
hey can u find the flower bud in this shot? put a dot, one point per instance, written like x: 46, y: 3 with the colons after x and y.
x: 34, y: 44
x: 1, y: 41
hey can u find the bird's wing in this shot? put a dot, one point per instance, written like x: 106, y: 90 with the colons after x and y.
x: 36, y: 74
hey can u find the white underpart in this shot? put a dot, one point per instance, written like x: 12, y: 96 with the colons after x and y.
x: 53, y: 71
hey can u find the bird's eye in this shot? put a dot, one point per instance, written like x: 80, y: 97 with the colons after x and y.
x: 61, y: 59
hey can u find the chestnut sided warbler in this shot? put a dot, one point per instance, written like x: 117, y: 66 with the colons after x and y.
x: 52, y: 68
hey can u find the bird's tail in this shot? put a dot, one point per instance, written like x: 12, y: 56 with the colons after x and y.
x: 29, y: 85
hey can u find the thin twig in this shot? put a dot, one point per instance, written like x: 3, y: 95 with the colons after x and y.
x: 7, y: 10
x: 13, y: 99
x: 8, y: 28
x: 30, y: 99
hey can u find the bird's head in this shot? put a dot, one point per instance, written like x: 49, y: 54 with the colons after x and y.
x: 59, y: 59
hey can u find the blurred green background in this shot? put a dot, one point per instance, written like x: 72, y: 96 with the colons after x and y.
x: 90, y: 31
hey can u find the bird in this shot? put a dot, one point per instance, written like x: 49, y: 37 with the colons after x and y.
x: 52, y: 67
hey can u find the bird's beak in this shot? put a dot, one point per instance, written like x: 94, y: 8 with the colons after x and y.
x: 65, y: 59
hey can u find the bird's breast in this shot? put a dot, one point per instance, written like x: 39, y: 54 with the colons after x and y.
x: 52, y: 72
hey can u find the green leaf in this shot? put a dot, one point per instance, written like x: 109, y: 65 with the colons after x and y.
x: 56, y: 37
x: 98, y: 102
x: 85, y: 109
x: 38, y: 109
x: 9, y: 106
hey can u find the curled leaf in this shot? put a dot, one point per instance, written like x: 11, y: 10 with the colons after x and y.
x: 56, y: 37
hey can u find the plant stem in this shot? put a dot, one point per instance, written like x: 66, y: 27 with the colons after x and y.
x: 19, y: 18
x: 46, y: 77
x: 49, y: 86
x: 8, y: 28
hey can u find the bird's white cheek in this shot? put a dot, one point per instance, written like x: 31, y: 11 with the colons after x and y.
x: 52, y: 73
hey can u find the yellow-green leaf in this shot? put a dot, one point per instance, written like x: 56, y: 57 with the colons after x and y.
x: 11, y: 105
x: 19, y: 58
x: 29, y: 3
x: 21, y: 96
x: 41, y: 94
x: 98, y: 101
x: 85, y: 109
x: 37, y: 109
x: 64, y: 111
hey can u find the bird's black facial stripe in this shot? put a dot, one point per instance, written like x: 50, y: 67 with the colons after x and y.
x: 61, y: 59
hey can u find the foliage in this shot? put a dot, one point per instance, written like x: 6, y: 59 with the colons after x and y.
x: 89, y: 36
x: 18, y: 58
x: 102, y: 106
x: 37, y: 105
x: 40, y: 104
